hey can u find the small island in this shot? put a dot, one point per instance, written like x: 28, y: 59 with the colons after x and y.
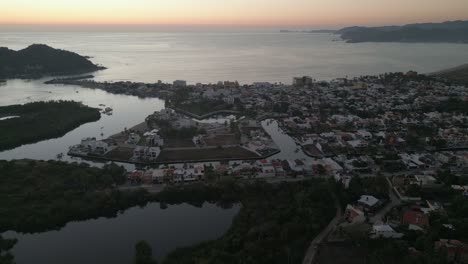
x: 39, y: 60
x: 33, y: 122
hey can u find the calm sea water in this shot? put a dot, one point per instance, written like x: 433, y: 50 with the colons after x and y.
x: 246, y: 56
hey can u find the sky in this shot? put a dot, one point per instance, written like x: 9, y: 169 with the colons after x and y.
x: 292, y: 13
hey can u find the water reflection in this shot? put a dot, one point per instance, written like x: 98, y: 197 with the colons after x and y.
x: 128, y: 111
x: 113, y: 240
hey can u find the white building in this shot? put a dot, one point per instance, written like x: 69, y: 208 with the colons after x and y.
x: 384, y: 231
x: 179, y: 83
x: 266, y: 172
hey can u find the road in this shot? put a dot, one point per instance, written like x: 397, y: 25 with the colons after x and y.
x: 312, y: 250
x: 394, y: 201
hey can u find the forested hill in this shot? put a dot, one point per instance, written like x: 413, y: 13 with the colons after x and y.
x: 450, y: 31
x: 38, y: 60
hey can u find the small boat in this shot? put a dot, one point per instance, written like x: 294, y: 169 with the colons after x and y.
x: 107, y: 111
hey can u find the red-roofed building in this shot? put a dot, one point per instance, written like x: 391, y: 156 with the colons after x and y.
x: 136, y: 175
x: 456, y: 250
x: 417, y: 218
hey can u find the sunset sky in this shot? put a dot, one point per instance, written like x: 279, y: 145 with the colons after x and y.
x: 310, y: 13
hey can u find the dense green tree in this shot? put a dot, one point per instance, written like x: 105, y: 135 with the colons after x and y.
x: 42, y: 120
x: 143, y: 253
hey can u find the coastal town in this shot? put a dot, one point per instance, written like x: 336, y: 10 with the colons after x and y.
x: 409, y: 129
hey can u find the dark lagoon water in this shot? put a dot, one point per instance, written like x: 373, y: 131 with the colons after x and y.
x: 113, y: 240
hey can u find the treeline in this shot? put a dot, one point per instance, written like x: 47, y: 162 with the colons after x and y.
x: 275, y: 224
x: 37, y: 196
x: 375, y: 186
x: 42, y: 120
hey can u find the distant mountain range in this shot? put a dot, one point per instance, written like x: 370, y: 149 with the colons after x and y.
x: 308, y: 31
x: 450, y: 31
x: 38, y: 60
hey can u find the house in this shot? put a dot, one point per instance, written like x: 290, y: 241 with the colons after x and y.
x: 139, y: 152
x: 364, y: 134
x: 152, y: 153
x: 354, y: 214
x: 457, y: 251
x: 179, y: 83
x: 415, y: 218
x: 101, y: 147
x: 154, y: 139
x: 302, y: 81
x: 89, y: 144
x: 158, y: 175
x: 368, y: 202
x: 133, y: 139
x: 384, y: 231
x: 425, y: 180
x: 266, y: 172
x: 136, y: 175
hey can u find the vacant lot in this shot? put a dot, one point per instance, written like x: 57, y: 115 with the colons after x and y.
x: 221, y: 140
x: 178, y: 143
x: 205, y: 154
x: 120, y: 153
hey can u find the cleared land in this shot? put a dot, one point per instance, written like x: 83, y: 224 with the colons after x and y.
x: 205, y: 154
x: 220, y: 140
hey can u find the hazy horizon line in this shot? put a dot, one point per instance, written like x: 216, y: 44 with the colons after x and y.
x: 195, y: 26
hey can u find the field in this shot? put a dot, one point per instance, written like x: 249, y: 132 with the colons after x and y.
x: 221, y: 140
x: 186, y: 155
x: 120, y: 153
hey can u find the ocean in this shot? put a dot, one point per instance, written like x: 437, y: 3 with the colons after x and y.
x: 243, y: 55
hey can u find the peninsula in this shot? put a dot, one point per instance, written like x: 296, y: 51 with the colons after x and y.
x: 39, y: 60
x: 450, y: 31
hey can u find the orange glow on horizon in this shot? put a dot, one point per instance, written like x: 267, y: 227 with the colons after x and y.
x: 331, y: 13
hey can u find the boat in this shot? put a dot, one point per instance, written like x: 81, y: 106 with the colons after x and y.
x: 107, y: 111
